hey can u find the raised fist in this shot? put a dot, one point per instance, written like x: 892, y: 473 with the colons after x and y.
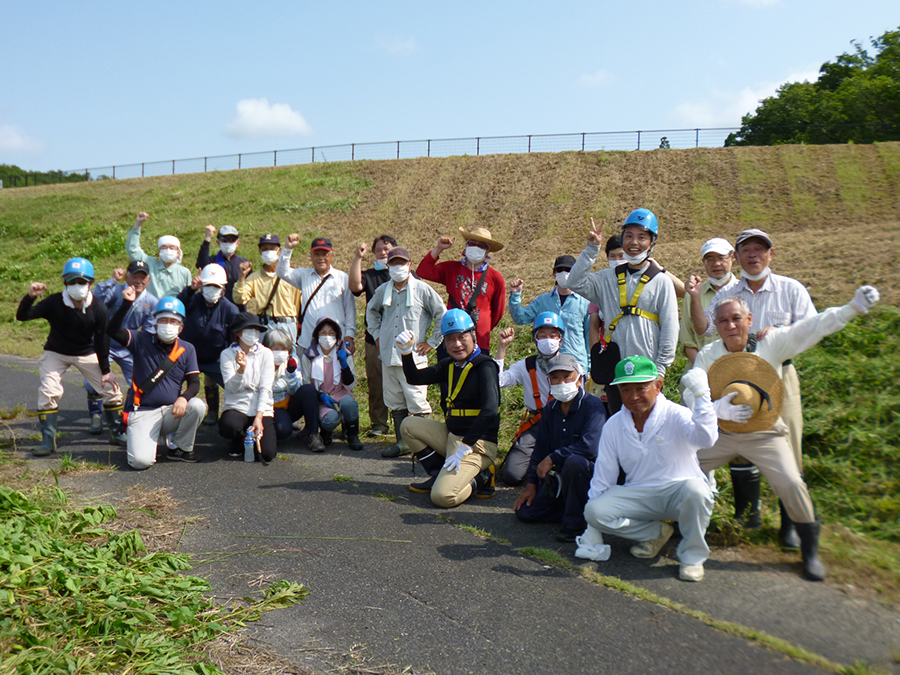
x: 246, y: 269
x: 292, y: 240
x: 129, y: 294
x: 516, y: 286
x: 443, y: 243
x: 142, y: 218
x: 507, y: 335
x: 361, y: 250
x: 693, y: 285
x: 196, y: 283
x: 36, y: 289
x: 210, y: 233
x: 865, y: 298
x: 119, y: 274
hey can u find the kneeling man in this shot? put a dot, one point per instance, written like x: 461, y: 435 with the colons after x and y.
x: 565, y: 448
x: 656, y: 442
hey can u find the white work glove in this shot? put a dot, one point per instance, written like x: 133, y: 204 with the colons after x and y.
x: 728, y: 411
x: 406, y: 341
x: 696, y: 382
x: 865, y: 298
x: 453, y: 461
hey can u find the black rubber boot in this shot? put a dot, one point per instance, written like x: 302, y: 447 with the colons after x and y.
x: 95, y: 410
x: 745, y: 483
x: 113, y: 417
x: 212, y: 400
x: 351, y: 430
x: 787, y: 533
x: 432, y: 462
x: 327, y: 438
x: 49, y: 419
x: 398, y: 448
x: 483, y: 485
x: 813, y: 569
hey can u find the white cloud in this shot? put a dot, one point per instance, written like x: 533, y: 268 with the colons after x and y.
x: 13, y: 139
x: 722, y: 108
x: 595, y: 80
x: 257, y: 118
x: 399, y: 47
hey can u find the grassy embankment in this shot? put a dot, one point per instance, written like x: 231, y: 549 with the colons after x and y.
x: 834, y: 212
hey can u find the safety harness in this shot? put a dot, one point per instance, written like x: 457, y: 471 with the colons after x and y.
x: 165, y: 366
x: 453, y: 388
x: 531, y: 418
x: 629, y: 307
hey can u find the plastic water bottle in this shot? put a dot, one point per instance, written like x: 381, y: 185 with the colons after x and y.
x: 249, y: 445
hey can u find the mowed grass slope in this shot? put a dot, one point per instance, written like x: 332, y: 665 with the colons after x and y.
x: 833, y: 211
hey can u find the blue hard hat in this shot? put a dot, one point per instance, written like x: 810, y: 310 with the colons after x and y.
x: 644, y: 219
x: 78, y: 268
x: 456, y: 321
x: 170, y: 305
x: 551, y: 319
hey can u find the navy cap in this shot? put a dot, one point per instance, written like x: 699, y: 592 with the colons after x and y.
x: 269, y: 239
x: 138, y: 266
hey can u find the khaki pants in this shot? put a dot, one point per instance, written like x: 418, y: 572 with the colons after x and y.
x: 149, y: 428
x: 771, y: 452
x: 401, y: 395
x: 450, y: 489
x: 378, y: 410
x: 792, y: 412
x: 52, y: 366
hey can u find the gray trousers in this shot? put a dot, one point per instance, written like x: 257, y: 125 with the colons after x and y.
x: 149, y: 428
x: 515, y: 466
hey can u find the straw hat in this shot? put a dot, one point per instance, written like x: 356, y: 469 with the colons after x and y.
x: 483, y: 235
x: 757, y: 384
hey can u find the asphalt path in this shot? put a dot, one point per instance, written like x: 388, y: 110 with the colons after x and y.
x: 396, y: 581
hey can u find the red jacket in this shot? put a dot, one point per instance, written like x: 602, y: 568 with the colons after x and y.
x: 460, y: 283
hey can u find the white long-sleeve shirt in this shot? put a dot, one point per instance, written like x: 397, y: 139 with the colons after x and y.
x: 518, y: 374
x: 334, y: 300
x: 249, y: 392
x: 665, y: 451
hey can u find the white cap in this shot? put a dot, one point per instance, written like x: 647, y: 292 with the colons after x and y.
x: 716, y: 245
x: 213, y: 275
x: 226, y: 230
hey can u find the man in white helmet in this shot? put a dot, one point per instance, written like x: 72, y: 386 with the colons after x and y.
x: 167, y: 275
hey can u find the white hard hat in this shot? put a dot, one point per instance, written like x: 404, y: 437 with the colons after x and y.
x: 213, y: 275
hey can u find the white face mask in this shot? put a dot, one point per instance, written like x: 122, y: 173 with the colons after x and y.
x: 280, y: 356
x: 250, y: 336
x: 167, y: 332
x: 168, y: 255
x: 636, y: 259
x: 228, y: 247
x: 78, y: 292
x: 399, y: 273
x: 212, y: 294
x: 327, y: 342
x: 562, y: 278
x: 718, y: 282
x: 475, y: 254
x: 755, y: 277
x: 548, y: 346
x: 613, y: 264
x: 269, y: 257
x: 564, y: 392
x: 380, y: 263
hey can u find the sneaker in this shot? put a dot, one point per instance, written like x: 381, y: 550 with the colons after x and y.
x: 595, y: 552
x: 316, y: 444
x: 690, y: 572
x: 485, y: 483
x: 423, y: 487
x: 182, y: 456
x: 650, y: 549
x: 567, y: 535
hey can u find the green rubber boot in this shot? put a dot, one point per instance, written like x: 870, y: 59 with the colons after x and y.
x: 49, y: 419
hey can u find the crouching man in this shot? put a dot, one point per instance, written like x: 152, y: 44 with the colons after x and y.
x: 656, y: 442
x: 159, y: 411
x: 565, y: 448
x: 457, y: 455
x: 745, y: 377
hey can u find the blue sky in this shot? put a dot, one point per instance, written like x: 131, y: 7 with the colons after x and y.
x: 91, y: 84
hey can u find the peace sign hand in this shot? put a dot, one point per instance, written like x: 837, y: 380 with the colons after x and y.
x: 595, y: 234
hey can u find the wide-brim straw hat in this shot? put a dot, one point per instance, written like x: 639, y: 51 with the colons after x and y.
x: 483, y: 235
x: 757, y: 384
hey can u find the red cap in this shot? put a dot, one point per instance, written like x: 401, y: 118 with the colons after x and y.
x: 321, y: 244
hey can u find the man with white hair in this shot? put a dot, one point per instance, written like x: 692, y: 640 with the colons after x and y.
x: 167, y: 275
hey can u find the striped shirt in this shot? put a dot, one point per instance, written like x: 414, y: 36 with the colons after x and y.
x: 780, y: 301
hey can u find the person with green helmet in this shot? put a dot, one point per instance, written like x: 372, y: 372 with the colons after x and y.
x: 77, y: 339
x: 457, y: 455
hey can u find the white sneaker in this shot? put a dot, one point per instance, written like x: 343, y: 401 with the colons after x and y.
x: 597, y: 552
x: 690, y: 573
x: 650, y: 549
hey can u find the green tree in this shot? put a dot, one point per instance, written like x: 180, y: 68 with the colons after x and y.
x: 855, y: 99
x: 14, y: 176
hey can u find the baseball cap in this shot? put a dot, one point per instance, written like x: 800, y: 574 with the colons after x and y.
x: 716, y: 245
x: 269, y: 239
x: 635, y: 369
x: 138, y: 266
x: 753, y: 234
x: 321, y: 244
x: 565, y: 362
x: 398, y: 252
x: 228, y: 230
x: 564, y: 261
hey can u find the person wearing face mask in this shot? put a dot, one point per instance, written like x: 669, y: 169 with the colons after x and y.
x: 368, y: 281
x: 565, y: 448
x: 637, y: 299
x: 163, y: 408
x: 548, y: 333
x: 248, y: 369
x: 206, y: 326
x: 404, y: 303
x: 228, y: 240
x: 288, y: 406
x: 77, y: 339
x: 774, y: 301
x: 139, y: 317
x: 570, y: 307
x: 329, y: 375
x: 167, y: 275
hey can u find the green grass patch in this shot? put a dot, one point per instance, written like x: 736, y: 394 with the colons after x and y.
x: 545, y: 556
x: 68, y: 464
x: 338, y: 478
x: 703, y: 203
x: 798, y: 168
x: 484, y: 534
x: 853, y: 180
x: 752, y: 180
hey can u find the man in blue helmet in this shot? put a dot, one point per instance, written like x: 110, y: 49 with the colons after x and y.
x: 458, y: 455
x: 159, y: 411
x: 637, y: 300
x: 77, y: 339
x: 532, y: 373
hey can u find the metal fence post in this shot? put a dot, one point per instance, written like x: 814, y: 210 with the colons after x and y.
x: 239, y: 160
x: 429, y: 147
x: 173, y: 167
x: 314, y: 154
x: 529, y: 142
x: 477, y: 146
x: 398, y: 149
x: 639, y: 140
x: 142, y: 169
x: 275, y: 162
x: 114, y: 175
x: 353, y: 152
x: 582, y: 141
x: 204, y: 165
x: 697, y: 139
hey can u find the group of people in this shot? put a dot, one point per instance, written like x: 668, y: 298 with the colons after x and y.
x: 280, y: 342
